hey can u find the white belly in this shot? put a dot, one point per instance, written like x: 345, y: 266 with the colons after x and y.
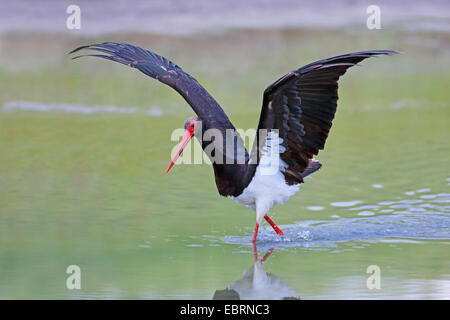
x: 268, y: 186
x: 266, y: 191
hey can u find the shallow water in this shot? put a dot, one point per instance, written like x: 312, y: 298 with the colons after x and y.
x: 136, y: 232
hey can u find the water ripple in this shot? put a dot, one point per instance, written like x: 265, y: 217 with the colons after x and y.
x: 416, y: 219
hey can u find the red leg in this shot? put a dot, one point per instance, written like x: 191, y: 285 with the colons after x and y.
x: 274, y: 226
x: 256, y: 232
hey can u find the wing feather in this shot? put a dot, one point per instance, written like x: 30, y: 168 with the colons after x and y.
x: 301, y: 105
x: 167, y: 72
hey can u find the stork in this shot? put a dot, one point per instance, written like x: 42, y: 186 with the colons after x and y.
x: 296, y: 117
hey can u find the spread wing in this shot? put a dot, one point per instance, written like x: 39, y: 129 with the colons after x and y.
x: 167, y: 72
x: 301, y: 106
x: 228, y: 176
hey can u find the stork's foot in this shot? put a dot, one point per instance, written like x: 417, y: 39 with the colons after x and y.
x: 274, y: 226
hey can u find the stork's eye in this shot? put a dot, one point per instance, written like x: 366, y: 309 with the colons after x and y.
x: 192, y: 128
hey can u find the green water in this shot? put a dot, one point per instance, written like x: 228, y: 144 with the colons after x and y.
x: 91, y: 189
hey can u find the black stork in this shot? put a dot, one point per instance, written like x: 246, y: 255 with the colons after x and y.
x: 296, y: 117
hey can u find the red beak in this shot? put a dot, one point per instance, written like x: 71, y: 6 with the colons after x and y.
x: 184, y: 141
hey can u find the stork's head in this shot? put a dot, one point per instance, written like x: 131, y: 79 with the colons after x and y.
x: 190, y: 127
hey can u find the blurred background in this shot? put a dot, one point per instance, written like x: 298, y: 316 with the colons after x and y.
x: 84, y: 146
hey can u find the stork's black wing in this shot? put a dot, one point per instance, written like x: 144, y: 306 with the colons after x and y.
x: 228, y: 176
x: 166, y: 72
x: 301, y: 105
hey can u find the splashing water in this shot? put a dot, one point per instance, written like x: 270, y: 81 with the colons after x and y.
x: 424, y: 218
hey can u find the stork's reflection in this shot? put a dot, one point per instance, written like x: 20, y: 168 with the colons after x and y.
x: 257, y: 284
